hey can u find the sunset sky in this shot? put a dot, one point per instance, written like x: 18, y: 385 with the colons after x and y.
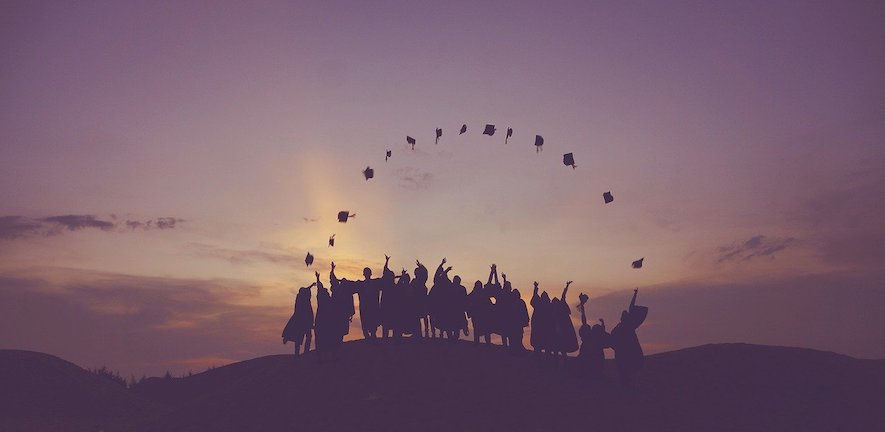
x: 166, y: 166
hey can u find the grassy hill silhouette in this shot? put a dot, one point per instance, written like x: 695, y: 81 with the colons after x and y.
x: 442, y: 386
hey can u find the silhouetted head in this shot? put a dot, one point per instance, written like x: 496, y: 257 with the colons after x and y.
x: 624, y: 316
x: 405, y: 279
x: 516, y: 294
x: 420, y: 273
x: 456, y: 280
x: 545, y: 298
x: 555, y: 301
x: 367, y: 273
x: 477, y: 286
x: 507, y: 286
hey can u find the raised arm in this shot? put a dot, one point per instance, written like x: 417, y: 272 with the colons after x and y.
x: 565, y: 290
x: 497, y: 283
x: 332, y: 279
x: 491, y: 272
x: 583, y: 297
x: 633, y: 301
x: 439, y: 271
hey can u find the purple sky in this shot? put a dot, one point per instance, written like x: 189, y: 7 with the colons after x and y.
x: 200, y: 149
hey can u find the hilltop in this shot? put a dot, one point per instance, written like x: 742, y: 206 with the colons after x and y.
x: 443, y: 386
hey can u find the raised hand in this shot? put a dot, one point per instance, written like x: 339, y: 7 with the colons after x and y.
x: 443, y: 260
x: 386, y: 258
x: 317, y: 274
x: 448, y: 269
x: 568, y: 283
x: 333, y: 265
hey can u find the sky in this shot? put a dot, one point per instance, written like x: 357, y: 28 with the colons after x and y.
x: 166, y: 166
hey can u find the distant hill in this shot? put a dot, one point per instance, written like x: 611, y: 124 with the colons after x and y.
x: 439, y: 386
x: 40, y: 392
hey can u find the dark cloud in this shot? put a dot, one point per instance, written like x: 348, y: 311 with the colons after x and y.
x: 14, y: 227
x: 77, y: 222
x: 756, y: 246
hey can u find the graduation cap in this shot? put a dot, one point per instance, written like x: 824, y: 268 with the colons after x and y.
x: 438, y: 134
x: 539, y: 141
x: 368, y: 173
x: 344, y: 215
x: 509, y: 134
x: 411, y: 141
x: 387, y: 156
x: 490, y: 130
x: 568, y: 159
x: 638, y: 263
x: 608, y: 197
x: 332, y: 241
x: 463, y: 129
x: 308, y: 259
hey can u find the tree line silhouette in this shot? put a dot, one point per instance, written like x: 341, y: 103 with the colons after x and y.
x: 402, y: 305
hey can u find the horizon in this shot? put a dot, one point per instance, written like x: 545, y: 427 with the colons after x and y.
x: 167, y: 168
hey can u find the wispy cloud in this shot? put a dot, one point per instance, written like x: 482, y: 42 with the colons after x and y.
x: 245, y: 256
x: 15, y: 227
x: 414, y: 179
x: 756, y: 246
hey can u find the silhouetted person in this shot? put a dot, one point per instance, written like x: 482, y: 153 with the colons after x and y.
x: 518, y: 320
x: 493, y: 289
x: 542, y: 321
x: 341, y: 285
x: 418, y: 288
x: 390, y: 297
x: 458, y: 308
x: 330, y: 314
x: 504, y: 317
x: 594, y: 340
x: 436, y: 301
x: 478, y: 308
x: 299, y: 329
x: 565, y: 339
x: 404, y: 315
x: 369, y: 291
x: 628, y: 351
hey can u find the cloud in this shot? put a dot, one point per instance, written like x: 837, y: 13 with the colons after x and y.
x: 245, y: 256
x: 15, y: 227
x: 756, y: 246
x: 414, y: 179
x: 78, y: 222
x: 137, y: 324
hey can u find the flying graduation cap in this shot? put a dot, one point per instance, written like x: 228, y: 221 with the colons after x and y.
x: 344, y: 215
x: 368, y: 173
x: 608, y: 197
x: 411, y: 141
x: 638, y: 263
x: 568, y: 159
x: 308, y: 259
x: 539, y: 142
x: 509, y: 134
x: 387, y: 156
x: 438, y: 134
x: 332, y: 241
x: 463, y: 129
x: 490, y: 130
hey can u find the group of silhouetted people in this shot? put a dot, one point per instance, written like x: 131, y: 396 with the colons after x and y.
x: 400, y: 305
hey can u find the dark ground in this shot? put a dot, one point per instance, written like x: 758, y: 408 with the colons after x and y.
x: 439, y: 386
